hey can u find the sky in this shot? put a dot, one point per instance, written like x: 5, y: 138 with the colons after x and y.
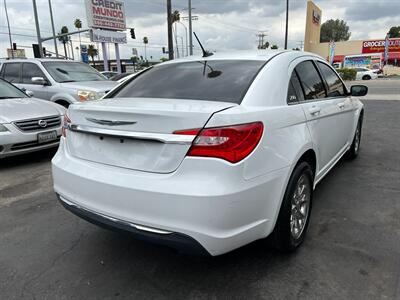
x: 222, y: 25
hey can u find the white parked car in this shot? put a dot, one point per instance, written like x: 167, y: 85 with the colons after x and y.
x: 366, y: 74
x: 27, y: 124
x: 210, y: 153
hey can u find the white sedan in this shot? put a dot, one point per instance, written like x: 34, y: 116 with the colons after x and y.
x: 27, y: 124
x: 210, y: 153
x: 366, y: 74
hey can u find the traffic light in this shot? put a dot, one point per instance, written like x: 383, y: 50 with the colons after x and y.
x: 163, y: 50
x: 14, y: 45
x: 36, y: 50
x: 133, y: 33
x: 44, y: 51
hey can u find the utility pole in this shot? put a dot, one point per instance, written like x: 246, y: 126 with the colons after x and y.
x: 287, y: 23
x: 169, y: 22
x: 9, y: 30
x: 37, y: 28
x: 52, y: 27
x: 301, y: 45
x: 261, y: 36
x: 190, y: 28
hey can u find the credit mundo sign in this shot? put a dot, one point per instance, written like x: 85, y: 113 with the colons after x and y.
x: 378, y: 46
x: 106, y: 14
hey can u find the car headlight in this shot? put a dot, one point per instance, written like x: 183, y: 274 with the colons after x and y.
x: 3, y: 128
x: 89, y: 95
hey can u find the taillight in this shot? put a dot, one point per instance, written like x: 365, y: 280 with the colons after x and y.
x: 66, y: 122
x: 232, y: 143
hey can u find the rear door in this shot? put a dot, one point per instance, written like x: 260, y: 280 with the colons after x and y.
x: 321, y: 113
x: 12, y: 73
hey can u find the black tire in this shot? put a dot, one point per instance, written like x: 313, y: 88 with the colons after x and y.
x: 366, y: 77
x: 352, y: 153
x: 63, y: 103
x: 283, y: 236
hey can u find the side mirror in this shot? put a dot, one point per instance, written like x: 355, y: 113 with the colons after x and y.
x: 39, y: 80
x: 358, y: 90
x: 29, y: 93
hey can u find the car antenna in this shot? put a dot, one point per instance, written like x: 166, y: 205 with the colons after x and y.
x: 205, y: 52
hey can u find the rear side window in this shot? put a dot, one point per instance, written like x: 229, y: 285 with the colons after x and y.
x: 310, y: 80
x: 215, y: 80
x: 12, y: 72
x: 30, y: 70
x: 335, y: 85
x: 295, y: 92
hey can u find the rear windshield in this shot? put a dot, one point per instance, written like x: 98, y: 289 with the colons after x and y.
x: 216, y: 80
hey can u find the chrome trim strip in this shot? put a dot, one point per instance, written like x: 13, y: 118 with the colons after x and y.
x: 159, y: 137
x: 138, y: 227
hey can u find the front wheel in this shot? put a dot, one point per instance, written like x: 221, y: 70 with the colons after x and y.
x: 294, y: 215
x: 355, y: 146
x: 366, y: 77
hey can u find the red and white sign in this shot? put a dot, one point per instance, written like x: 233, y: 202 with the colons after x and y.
x: 378, y: 46
x: 106, y: 14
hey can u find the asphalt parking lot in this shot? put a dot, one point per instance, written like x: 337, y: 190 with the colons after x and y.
x: 352, y: 250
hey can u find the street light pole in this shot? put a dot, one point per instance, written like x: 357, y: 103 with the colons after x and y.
x: 52, y: 27
x: 190, y: 28
x: 287, y: 23
x: 169, y: 22
x: 9, y: 30
x: 37, y: 28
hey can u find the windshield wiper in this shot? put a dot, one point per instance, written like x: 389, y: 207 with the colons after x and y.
x: 68, y: 81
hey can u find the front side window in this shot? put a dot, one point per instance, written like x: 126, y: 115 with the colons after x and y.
x: 335, y: 85
x: 72, y: 71
x: 214, y: 80
x: 30, y: 70
x: 12, y: 72
x: 310, y: 80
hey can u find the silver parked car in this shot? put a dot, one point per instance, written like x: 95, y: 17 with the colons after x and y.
x: 61, y: 81
x: 27, y: 124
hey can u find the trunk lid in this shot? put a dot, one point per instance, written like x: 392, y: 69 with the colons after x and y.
x: 136, y: 133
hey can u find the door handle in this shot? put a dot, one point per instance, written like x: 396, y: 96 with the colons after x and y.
x: 341, y: 105
x: 314, y: 110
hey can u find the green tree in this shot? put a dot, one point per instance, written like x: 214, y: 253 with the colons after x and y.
x: 92, y: 52
x: 274, y: 47
x: 336, y: 30
x: 78, y: 25
x: 394, y: 32
x: 64, y: 39
x: 145, y: 42
x: 164, y: 59
x: 175, y: 16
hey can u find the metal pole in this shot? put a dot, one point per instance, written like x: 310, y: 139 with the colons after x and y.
x: 9, y: 30
x: 186, y: 37
x: 105, y: 58
x: 170, y: 41
x: 72, y: 50
x: 37, y: 28
x: 52, y: 27
x: 287, y: 23
x: 118, y: 59
x: 190, y: 28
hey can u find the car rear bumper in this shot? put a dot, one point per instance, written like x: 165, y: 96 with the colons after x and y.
x: 15, y: 142
x: 210, y: 205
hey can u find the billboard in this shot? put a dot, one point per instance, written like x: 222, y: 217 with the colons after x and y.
x: 107, y: 36
x: 19, y: 53
x: 106, y: 14
x: 378, y: 46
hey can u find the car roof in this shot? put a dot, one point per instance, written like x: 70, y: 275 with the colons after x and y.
x: 261, y: 55
x: 34, y: 60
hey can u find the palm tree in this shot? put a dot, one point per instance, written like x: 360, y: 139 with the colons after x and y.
x: 78, y: 25
x: 92, y: 52
x: 176, y: 17
x: 145, y: 42
x: 64, y: 39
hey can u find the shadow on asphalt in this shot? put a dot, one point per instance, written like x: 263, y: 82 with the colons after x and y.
x: 27, y: 159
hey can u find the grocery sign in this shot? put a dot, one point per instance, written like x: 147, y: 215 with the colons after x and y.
x: 378, y: 46
x: 106, y: 14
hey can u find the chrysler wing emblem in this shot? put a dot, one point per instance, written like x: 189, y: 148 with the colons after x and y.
x: 110, y: 122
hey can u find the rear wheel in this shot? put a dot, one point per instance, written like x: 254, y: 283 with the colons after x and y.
x: 294, y: 215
